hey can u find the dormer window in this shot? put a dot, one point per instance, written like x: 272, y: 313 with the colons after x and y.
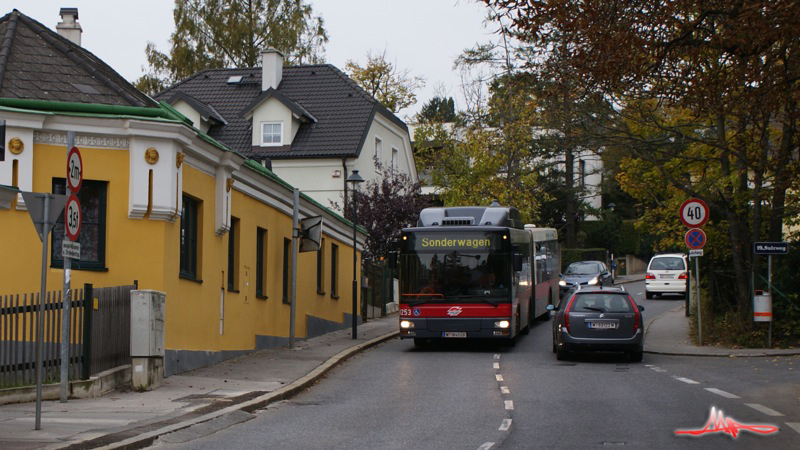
x: 271, y: 134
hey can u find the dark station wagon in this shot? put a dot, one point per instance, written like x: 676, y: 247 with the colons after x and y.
x: 599, y: 318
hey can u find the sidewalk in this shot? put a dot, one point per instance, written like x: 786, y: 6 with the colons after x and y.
x: 219, y: 396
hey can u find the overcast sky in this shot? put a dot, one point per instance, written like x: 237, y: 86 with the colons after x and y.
x: 423, y: 36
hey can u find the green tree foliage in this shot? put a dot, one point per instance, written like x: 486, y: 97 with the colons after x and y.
x: 704, y: 97
x: 231, y: 33
x: 438, y: 109
x: 392, y: 87
x: 478, y: 164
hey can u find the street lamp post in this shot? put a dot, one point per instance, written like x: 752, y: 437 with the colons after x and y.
x: 354, y: 179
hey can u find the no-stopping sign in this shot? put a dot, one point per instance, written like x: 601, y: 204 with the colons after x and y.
x: 694, y: 213
x: 72, y: 217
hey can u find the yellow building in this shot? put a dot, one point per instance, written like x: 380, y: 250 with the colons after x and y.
x: 162, y: 203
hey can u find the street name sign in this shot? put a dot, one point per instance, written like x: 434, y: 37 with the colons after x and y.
x: 770, y: 248
x: 695, y: 238
x: 70, y: 249
x: 694, y: 213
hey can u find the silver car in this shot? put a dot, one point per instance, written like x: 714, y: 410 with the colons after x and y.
x: 598, y: 318
x: 666, y: 274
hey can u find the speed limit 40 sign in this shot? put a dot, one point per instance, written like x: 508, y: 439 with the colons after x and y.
x: 72, y: 217
x: 694, y: 213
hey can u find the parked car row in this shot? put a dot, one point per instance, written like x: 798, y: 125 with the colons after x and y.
x: 593, y: 314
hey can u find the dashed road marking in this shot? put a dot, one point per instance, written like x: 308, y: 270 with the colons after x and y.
x: 504, y: 390
x: 509, y: 404
x: 505, y: 425
x: 486, y: 446
x: 764, y: 409
x: 497, y: 356
x: 497, y: 366
x: 498, y: 377
x: 794, y: 425
x: 686, y: 380
x: 722, y: 393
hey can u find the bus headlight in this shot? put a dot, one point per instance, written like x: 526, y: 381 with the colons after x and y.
x: 406, y: 324
x: 592, y: 282
x: 502, y: 324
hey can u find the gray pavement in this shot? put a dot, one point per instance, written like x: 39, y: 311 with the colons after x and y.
x: 223, y: 394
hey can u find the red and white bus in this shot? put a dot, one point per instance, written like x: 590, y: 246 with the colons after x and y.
x: 475, y: 272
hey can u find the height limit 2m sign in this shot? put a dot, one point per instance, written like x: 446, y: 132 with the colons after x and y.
x: 694, y: 213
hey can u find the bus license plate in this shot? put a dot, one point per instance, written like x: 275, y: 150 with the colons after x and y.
x: 602, y: 325
x: 454, y: 334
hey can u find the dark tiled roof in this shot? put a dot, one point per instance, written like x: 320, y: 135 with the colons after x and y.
x: 343, y: 111
x: 37, y: 63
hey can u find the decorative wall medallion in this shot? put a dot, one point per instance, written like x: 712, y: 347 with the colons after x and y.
x: 151, y: 155
x: 16, y: 146
x: 229, y: 184
x: 179, y: 159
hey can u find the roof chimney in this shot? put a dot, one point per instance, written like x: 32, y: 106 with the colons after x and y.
x: 271, y: 68
x: 69, y: 26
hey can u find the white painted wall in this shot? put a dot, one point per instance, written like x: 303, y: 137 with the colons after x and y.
x: 318, y: 178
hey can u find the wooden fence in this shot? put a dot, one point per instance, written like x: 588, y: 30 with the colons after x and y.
x: 99, y: 334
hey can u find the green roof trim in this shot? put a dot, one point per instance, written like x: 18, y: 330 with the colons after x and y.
x: 256, y: 166
x: 165, y: 113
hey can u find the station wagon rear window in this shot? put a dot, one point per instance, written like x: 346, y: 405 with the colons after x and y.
x: 667, y: 263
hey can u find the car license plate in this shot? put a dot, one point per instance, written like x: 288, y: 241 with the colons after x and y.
x: 666, y: 275
x: 602, y: 325
x: 454, y: 334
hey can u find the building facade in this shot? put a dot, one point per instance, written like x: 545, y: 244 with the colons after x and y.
x: 162, y: 203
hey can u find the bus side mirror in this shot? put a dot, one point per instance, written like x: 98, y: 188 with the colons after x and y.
x: 392, y: 260
x: 517, y: 262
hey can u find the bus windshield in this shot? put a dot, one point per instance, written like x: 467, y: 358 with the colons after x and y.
x: 471, y: 276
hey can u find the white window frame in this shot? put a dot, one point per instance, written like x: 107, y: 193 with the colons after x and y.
x: 263, y: 134
x: 378, y: 149
x: 395, y: 157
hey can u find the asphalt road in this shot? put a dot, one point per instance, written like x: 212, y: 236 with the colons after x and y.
x: 481, y: 395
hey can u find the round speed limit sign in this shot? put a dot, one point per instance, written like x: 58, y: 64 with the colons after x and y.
x: 694, y: 213
x: 72, y: 217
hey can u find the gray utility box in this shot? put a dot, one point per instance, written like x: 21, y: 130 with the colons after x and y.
x: 147, y: 323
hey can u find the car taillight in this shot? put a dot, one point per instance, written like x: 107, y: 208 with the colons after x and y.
x: 682, y: 276
x: 649, y: 276
x: 566, y: 313
x: 638, y: 313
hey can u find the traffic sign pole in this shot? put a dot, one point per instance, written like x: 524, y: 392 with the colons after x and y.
x: 694, y: 214
x: 74, y: 180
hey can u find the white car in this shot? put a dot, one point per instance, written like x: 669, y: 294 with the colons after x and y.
x: 666, y: 274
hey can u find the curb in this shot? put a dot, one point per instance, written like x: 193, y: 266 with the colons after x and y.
x: 146, y: 439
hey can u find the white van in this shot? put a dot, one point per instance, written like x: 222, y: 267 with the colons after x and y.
x: 666, y: 274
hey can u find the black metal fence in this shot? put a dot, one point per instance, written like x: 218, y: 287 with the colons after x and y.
x: 99, y: 334
x: 377, y: 290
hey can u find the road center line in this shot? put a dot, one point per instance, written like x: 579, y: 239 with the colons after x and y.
x: 686, y: 380
x: 504, y: 390
x: 498, y: 377
x: 764, y: 409
x: 496, y: 365
x: 509, y: 404
x: 794, y: 425
x: 505, y: 425
x: 486, y: 446
x: 722, y: 393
